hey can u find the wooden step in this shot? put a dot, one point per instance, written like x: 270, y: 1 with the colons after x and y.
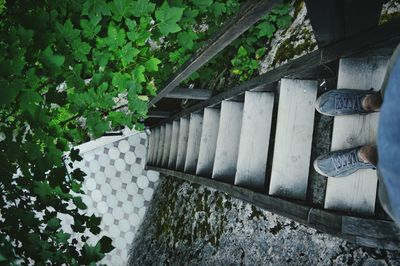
x: 208, y: 142
x: 182, y: 143
x: 155, y: 148
x: 254, y: 140
x: 167, y: 144
x: 150, y: 148
x: 357, y: 192
x: 160, y: 149
x: 293, y: 139
x: 174, y: 145
x: 226, y: 152
x: 193, y: 145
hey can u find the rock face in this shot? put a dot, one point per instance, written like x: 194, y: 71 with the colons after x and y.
x: 188, y: 224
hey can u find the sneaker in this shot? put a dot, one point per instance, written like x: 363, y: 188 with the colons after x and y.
x: 342, y: 102
x: 340, y: 163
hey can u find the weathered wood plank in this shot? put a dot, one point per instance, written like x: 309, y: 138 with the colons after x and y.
x: 249, y: 14
x: 294, y: 131
x: 228, y: 139
x: 156, y: 141
x: 182, y: 143
x: 370, y: 228
x: 193, y: 94
x: 357, y: 192
x: 167, y: 144
x: 158, y: 114
x: 160, y: 149
x: 208, y: 142
x: 193, y: 145
x: 174, y: 145
x: 386, y: 35
x: 254, y: 140
x: 150, y: 147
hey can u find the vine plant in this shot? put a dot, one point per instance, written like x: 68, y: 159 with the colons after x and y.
x: 65, y: 66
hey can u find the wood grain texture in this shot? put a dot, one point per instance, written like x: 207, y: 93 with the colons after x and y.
x: 208, y: 142
x: 167, y: 144
x: 294, y: 130
x: 227, y: 149
x: 193, y: 145
x: 150, y: 147
x: 193, y: 94
x: 357, y: 192
x: 182, y: 143
x: 156, y: 141
x: 254, y: 139
x: 160, y: 149
x: 174, y: 145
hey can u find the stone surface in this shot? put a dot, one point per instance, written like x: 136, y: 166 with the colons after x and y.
x: 194, y: 225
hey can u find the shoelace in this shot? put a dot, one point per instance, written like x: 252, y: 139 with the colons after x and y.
x: 346, y: 159
x: 344, y: 102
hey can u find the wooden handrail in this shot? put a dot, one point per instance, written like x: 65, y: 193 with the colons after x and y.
x: 250, y: 13
x: 307, y: 66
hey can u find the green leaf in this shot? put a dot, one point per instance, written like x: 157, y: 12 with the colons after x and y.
x: 94, y: 8
x: 74, y: 155
x: 127, y: 54
x: 142, y: 8
x: 242, y: 52
x: 54, y: 224
x: 28, y: 101
x: 96, y: 124
x: 116, y: 38
x: 121, y: 9
x: 79, y: 203
x: 51, y: 60
x: 67, y: 31
x: 284, y: 21
x: 152, y: 64
x: 80, y: 50
x: 138, y: 73
x: 167, y: 18
x: 120, y: 81
x: 92, y: 253
x: 62, y: 237
x: 202, y: 4
x: 265, y: 29
x: 186, y: 38
x: 119, y: 118
x: 260, y: 53
x: 219, y: 9
x: 9, y: 91
x: 105, y: 244
x: 90, y: 29
x: 42, y: 190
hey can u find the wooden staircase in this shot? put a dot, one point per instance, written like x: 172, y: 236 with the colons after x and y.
x: 230, y: 143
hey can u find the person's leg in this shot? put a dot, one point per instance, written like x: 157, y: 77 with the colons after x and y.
x: 389, y: 140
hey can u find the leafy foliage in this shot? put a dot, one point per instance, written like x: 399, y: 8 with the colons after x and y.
x: 66, y: 69
x: 252, y: 44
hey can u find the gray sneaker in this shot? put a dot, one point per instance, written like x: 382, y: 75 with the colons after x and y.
x: 340, y: 163
x: 342, y: 102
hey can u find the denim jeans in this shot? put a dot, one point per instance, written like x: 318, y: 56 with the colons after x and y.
x: 389, y: 140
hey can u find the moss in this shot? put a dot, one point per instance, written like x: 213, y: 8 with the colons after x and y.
x: 297, y: 5
x: 288, y: 50
x: 255, y: 213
